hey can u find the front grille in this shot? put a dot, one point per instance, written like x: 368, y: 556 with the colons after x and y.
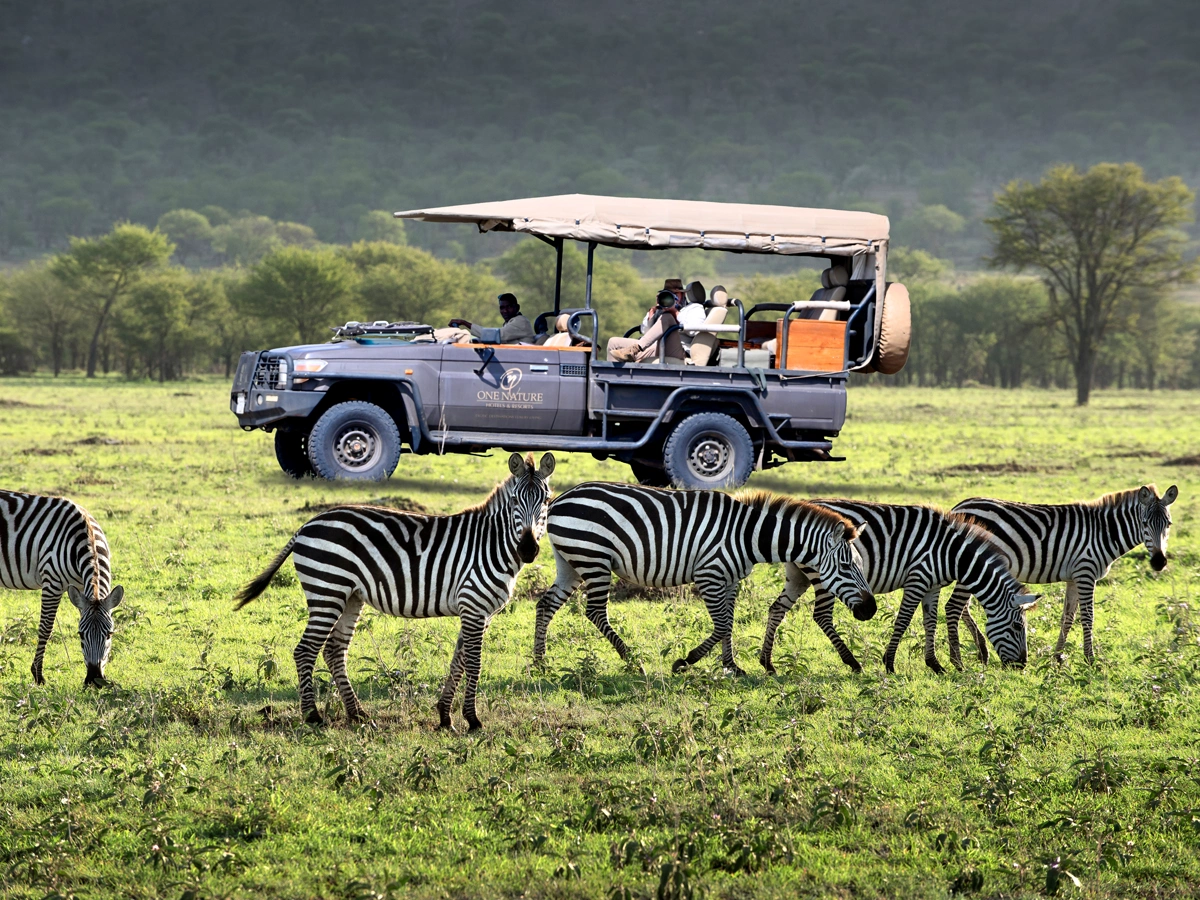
x: 266, y: 375
x: 573, y: 369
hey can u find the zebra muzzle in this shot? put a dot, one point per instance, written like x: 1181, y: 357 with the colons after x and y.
x: 1158, y: 561
x: 865, y: 609
x: 94, y: 677
x: 527, y: 547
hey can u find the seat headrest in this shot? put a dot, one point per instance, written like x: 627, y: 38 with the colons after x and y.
x: 835, y: 276
x: 718, y: 297
x: 560, y: 324
x: 694, y: 292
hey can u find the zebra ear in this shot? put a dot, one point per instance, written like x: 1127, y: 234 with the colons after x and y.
x: 1169, y: 497
x: 114, y: 598
x: 546, y: 466
x: 77, y: 597
x: 1145, y: 495
x: 516, y: 465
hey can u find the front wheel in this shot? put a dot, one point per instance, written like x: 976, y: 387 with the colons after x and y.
x: 291, y: 450
x: 708, y: 450
x: 354, y: 441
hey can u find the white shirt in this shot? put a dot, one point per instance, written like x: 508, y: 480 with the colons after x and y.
x: 691, y: 316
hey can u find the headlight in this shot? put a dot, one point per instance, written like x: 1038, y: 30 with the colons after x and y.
x: 309, y: 366
x: 282, y: 378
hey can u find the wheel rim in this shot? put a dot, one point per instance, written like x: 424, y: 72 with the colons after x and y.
x: 357, y: 446
x: 710, y: 456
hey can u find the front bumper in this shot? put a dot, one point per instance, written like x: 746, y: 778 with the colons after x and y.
x: 259, y: 407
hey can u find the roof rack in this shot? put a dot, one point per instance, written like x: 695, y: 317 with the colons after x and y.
x: 402, y: 330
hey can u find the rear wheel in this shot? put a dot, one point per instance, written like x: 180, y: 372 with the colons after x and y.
x: 291, y: 450
x: 356, y: 441
x: 708, y: 450
x: 651, y: 476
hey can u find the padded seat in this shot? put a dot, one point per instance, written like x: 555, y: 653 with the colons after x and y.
x: 704, y: 344
x: 562, y: 337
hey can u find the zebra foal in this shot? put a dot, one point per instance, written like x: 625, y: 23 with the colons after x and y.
x: 1072, y: 542
x: 919, y: 549
x: 415, y: 566
x: 53, y: 544
x: 664, y: 538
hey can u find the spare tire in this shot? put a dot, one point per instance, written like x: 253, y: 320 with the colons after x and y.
x: 895, y: 331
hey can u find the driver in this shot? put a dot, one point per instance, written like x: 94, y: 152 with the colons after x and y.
x: 516, y: 328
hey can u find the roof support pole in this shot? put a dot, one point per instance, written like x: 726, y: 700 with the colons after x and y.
x: 587, y: 296
x: 558, y: 249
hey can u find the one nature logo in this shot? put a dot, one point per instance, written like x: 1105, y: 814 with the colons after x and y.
x: 508, y: 397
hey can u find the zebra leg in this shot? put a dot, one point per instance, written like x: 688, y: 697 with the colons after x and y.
x: 337, y: 649
x: 450, y: 688
x: 981, y: 647
x: 565, y: 581
x: 323, y: 614
x: 793, y: 588
x: 597, y: 584
x: 908, y: 606
x: 51, y: 595
x: 719, y: 597
x: 823, y: 616
x: 473, y: 629
x: 956, y: 606
x: 929, y: 611
x: 1086, y: 591
x: 1070, y: 605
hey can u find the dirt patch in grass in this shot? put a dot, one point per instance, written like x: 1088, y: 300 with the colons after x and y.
x: 626, y: 590
x: 1135, y: 454
x: 99, y: 440
x: 48, y: 451
x: 92, y: 479
x: 1005, y: 468
x: 183, y: 394
x: 1183, y: 461
x: 15, y: 404
x: 396, y: 502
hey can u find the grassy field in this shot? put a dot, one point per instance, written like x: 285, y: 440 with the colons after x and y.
x: 190, y: 775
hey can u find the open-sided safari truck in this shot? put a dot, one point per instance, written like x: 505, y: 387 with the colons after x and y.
x: 759, y: 387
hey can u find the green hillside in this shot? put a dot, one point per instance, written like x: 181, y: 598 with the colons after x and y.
x: 315, y: 113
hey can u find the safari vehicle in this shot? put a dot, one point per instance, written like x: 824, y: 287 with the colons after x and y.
x: 762, y: 386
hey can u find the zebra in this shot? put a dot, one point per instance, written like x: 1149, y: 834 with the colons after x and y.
x: 666, y: 538
x: 416, y: 566
x: 919, y: 549
x: 53, y: 544
x: 1074, y: 542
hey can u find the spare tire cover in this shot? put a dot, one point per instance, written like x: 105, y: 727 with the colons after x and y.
x: 895, y: 331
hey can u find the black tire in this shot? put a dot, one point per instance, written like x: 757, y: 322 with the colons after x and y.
x: 708, y: 450
x: 651, y: 476
x: 291, y: 450
x: 354, y: 441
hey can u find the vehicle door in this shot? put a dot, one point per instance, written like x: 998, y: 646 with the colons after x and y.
x: 504, y: 388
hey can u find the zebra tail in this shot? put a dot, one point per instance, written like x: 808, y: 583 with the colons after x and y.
x: 259, y: 584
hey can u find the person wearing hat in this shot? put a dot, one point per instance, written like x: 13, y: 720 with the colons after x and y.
x: 516, y: 328
x: 661, y: 316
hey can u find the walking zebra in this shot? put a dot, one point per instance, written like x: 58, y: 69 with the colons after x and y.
x: 53, y: 544
x: 415, y: 566
x: 1073, y: 542
x: 665, y: 538
x: 921, y: 550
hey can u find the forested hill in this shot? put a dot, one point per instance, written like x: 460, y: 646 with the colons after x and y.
x: 316, y: 112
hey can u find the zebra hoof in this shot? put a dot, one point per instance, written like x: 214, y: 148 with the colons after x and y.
x: 474, y: 725
x: 767, y: 665
x: 736, y: 670
x: 679, y: 665
x: 38, y: 679
x: 314, y: 718
x: 935, y: 666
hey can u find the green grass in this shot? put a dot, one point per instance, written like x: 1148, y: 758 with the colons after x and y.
x: 191, y: 774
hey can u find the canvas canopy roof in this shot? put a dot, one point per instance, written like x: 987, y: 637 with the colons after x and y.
x: 659, y: 224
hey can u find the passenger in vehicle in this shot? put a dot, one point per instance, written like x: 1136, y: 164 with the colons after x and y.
x: 516, y: 328
x: 664, y: 315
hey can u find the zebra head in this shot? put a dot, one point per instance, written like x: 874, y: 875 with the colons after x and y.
x: 95, y: 628
x: 1156, y: 522
x: 840, y: 566
x: 1007, y: 628
x: 529, y: 501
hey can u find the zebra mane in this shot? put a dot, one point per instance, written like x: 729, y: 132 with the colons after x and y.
x: 500, y: 491
x: 91, y: 535
x: 1118, y: 499
x: 965, y: 525
x: 779, y: 503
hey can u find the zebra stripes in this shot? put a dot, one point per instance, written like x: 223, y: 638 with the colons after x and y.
x: 414, y: 566
x: 664, y: 538
x: 53, y: 544
x: 1074, y: 542
x: 919, y: 549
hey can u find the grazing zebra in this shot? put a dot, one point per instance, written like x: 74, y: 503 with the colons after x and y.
x: 414, y: 566
x: 1073, y: 542
x: 921, y: 550
x: 664, y: 538
x: 53, y: 544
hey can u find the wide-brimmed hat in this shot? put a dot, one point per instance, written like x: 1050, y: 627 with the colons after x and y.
x: 673, y: 284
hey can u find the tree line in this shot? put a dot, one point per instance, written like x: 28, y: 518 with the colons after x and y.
x: 1086, y: 298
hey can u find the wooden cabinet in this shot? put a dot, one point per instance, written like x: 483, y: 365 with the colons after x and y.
x: 813, y: 346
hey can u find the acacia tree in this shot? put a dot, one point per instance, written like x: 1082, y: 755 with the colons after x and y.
x: 101, y: 271
x: 302, y: 291
x: 1094, y: 237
